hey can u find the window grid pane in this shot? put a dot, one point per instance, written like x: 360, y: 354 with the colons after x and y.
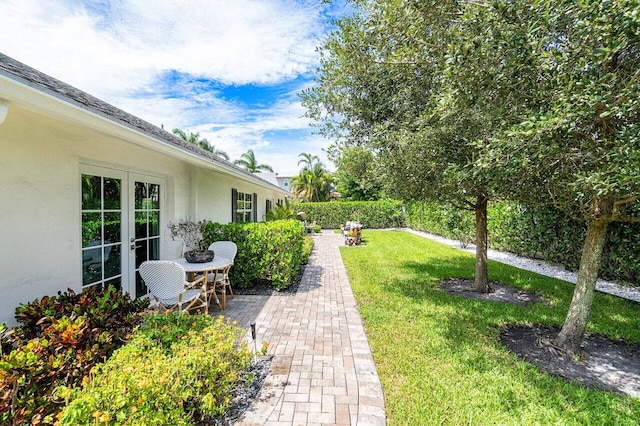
x: 244, y: 207
x: 101, y: 221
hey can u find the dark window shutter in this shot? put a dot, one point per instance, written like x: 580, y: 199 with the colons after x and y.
x: 268, y: 206
x: 255, y: 207
x: 234, y: 205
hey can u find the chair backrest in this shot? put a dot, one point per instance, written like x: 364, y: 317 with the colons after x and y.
x: 164, y: 278
x: 227, y: 249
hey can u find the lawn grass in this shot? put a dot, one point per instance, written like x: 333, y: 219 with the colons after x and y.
x: 439, y: 356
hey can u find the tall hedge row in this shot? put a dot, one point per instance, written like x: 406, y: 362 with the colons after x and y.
x: 535, y: 231
x: 269, y: 252
x: 444, y: 220
x: 371, y: 214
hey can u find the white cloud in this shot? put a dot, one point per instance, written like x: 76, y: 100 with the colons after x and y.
x: 127, y: 52
x: 128, y: 44
x: 285, y: 159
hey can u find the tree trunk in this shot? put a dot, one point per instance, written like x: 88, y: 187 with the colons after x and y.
x: 481, y: 281
x: 572, y: 333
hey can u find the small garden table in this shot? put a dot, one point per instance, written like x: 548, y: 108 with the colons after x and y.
x: 218, y: 263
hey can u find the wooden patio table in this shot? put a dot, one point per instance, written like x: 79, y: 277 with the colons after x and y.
x: 218, y: 263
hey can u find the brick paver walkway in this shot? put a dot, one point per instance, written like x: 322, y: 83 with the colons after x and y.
x: 322, y: 372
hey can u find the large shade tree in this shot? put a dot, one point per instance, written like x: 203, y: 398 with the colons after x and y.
x: 380, y: 86
x: 576, y: 145
x: 464, y: 101
x: 203, y: 143
x: 249, y: 162
x: 580, y: 152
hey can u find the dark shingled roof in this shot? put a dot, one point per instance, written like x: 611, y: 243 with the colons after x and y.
x: 31, y: 77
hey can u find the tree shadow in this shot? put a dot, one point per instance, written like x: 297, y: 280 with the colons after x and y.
x: 608, y: 365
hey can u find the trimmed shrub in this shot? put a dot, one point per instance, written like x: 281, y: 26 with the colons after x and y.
x: 307, y: 248
x: 543, y: 232
x: 441, y: 219
x: 371, y: 214
x: 267, y: 251
x: 538, y: 232
x: 179, y: 369
x: 60, y: 340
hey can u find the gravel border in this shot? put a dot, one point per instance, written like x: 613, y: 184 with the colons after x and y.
x: 537, y: 266
x: 245, y: 393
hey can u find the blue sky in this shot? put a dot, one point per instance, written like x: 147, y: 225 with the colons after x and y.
x: 228, y: 69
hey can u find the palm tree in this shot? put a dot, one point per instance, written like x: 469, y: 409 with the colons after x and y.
x: 313, y: 184
x: 307, y: 160
x: 248, y: 162
x: 203, y: 143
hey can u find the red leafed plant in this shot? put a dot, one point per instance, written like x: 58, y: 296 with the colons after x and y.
x: 60, y: 339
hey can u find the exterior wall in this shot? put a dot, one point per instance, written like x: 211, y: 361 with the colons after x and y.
x: 284, y: 182
x: 39, y: 213
x: 40, y: 200
x: 214, y: 196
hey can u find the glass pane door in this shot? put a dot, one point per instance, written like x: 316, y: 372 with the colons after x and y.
x: 146, y: 234
x: 101, y: 230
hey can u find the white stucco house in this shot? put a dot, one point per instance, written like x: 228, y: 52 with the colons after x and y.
x: 86, y: 190
x: 283, y: 182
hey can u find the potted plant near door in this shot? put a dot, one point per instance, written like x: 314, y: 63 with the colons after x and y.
x: 191, y: 235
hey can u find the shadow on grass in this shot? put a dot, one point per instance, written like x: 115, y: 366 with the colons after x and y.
x: 456, y: 341
x: 469, y: 316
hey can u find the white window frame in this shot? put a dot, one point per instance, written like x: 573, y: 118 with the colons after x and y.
x: 244, y: 207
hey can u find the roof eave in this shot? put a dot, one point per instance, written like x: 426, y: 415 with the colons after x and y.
x: 34, y: 97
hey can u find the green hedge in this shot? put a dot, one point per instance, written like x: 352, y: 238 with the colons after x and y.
x: 444, y: 220
x: 371, y: 214
x: 538, y: 232
x: 267, y: 251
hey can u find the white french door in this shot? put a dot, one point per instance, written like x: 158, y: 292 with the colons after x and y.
x: 121, y: 227
x: 145, y: 196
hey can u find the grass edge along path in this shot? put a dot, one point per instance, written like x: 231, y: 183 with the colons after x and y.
x: 439, y: 356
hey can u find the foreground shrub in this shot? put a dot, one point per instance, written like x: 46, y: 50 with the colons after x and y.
x: 179, y: 369
x: 372, y: 214
x: 269, y: 252
x: 307, y: 247
x: 61, y: 338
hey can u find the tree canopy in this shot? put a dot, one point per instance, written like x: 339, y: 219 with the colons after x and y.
x: 470, y: 101
x: 381, y: 86
x: 580, y: 150
x: 357, y: 174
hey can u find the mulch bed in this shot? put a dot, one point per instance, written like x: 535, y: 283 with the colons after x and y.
x: 266, y: 289
x: 500, y: 292
x: 603, y: 364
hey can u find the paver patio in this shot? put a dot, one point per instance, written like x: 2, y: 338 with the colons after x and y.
x: 322, y: 372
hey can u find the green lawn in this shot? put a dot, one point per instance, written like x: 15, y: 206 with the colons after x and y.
x: 439, y: 356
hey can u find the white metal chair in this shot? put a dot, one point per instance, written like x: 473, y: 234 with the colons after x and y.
x: 218, y: 281
x: 168, y: 286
